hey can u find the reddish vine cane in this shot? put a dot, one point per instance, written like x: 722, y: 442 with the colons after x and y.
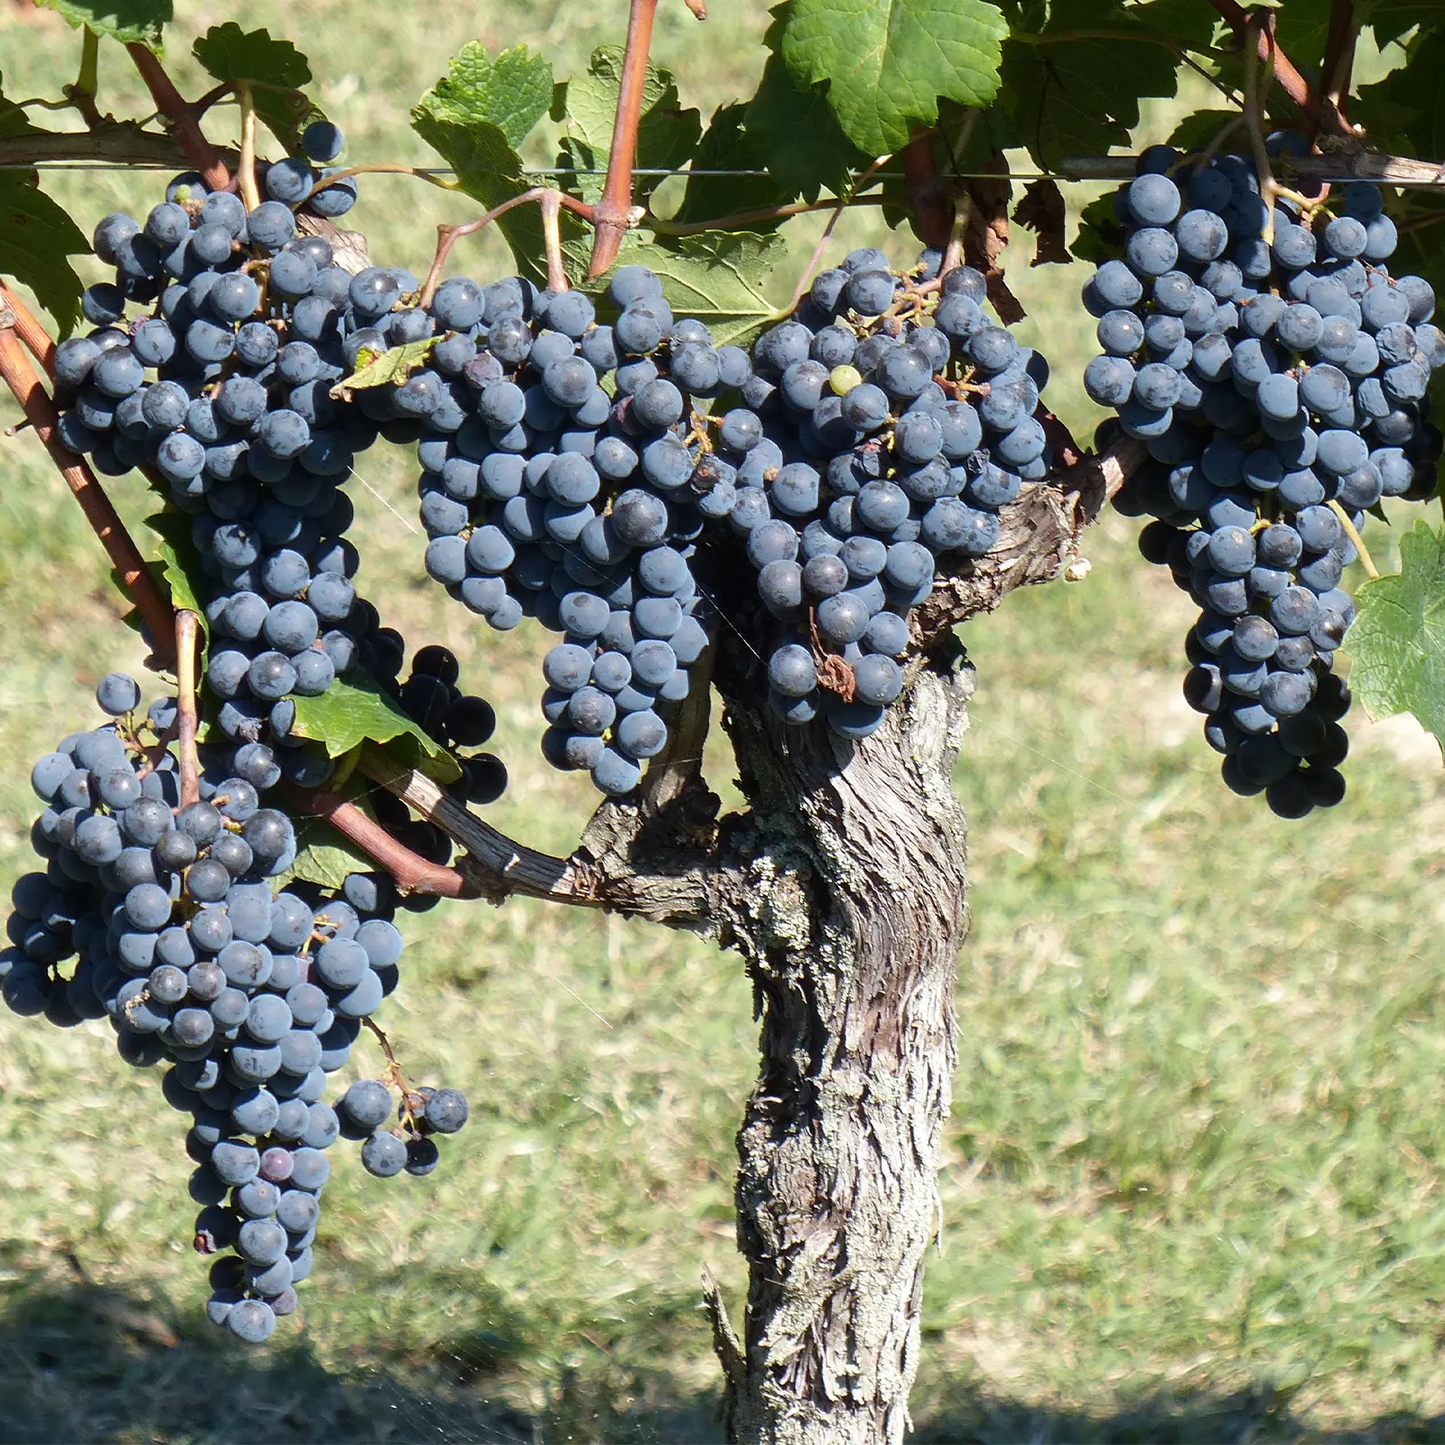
x: 1321, y: 110
x: 20, y: 376
x: 169, y: 103
x: 613, y: 214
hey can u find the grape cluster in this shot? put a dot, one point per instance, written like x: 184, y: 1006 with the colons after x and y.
x: 579, y: 472
x: 543, y: 496
x: 252, y: 995
x: 229, y: 392
x: 896, y: 421
x: 1277, y: 373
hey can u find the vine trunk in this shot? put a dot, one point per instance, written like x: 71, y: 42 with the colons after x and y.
x: 849, y: 916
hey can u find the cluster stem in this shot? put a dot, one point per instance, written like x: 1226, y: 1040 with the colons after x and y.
x: 187, y: 634
x: 246, y: 172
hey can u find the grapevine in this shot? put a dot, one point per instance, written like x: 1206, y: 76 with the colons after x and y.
x: 698, y: 494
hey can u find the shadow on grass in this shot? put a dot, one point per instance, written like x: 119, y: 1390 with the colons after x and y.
x: 87, y: 1363
x: 81, y: 1363
x: 976, y: 1417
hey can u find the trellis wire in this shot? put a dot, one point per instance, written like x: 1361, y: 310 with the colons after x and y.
x: 1390, y: 171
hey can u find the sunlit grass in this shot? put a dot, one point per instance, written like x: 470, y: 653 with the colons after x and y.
x: 1193, y: 1184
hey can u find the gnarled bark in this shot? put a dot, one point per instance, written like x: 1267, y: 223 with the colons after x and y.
x: 848, y: 909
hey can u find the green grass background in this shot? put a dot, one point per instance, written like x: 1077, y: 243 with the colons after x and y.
x: 1192, y: 1185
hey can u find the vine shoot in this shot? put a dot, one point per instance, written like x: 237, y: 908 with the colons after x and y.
x: 721, y: 510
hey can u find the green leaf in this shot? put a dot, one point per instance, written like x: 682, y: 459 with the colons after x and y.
x: 13, y: 119
x: 1390, y: 19
x: 888, y: 61
x: 727, y: 146
x: 125, y: 20
x: 180, y: 568
x: 1397, y: 642
x: 512, y: 92
x: 230, y: 54
x: 324, y: 855
x: 390, y: 367
x: 452, y: 121
x: 798, y: 137
x: 1407, y: 108
x: 1079, y: 96
x: 36, y: 236
x: 354, y: 710
x: 274, y: 67
x: 667, y: 134
x: 1188, y: 21
x: 717, y: 277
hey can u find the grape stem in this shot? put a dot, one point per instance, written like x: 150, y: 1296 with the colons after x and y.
x: 1352, y: 532
x: 412, y: 872
x: 396, y: 1078
x: 1252, y: 93
x: 34, y: 336
x: 806, y: 279
x: 187, y: 632
x: 246, y: 171
x: 1339, y: 61
x: 613, y: 212
x: 135, y: 577
x: 381, y: 168
x: 1324, y: 114
x: 213, y: 97
x: 169, y: 103
x: 551, y: 208
x: 81, y: 92
x: 448, y: 236
x: 953, y: 252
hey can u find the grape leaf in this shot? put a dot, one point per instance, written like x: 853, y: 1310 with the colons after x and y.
x: 36, y: 236
x: 887, y: 61
x: 13, y: 119
x: 180, y: 561
x: 354, y: 710
x: 1195, y: 132
x: 512, y: 92
x: 454, y: 121
x: 390, y: 367
x: 125, y: 20
x: 1080, y: 96
x: 1397, y: 642
x: 276, y: 68
x: 1188, y: 21
x: 230, y: 54
x: 667, y: 134
x: 1390, y: 19
x: 1042, y: 211
x: 717, y: 277
x: 798, y: 137
x: 1101, y: 237
x: 1407, y: 109
x: 727, y: 146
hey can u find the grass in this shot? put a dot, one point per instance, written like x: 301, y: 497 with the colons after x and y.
x: 1193, y: 1183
